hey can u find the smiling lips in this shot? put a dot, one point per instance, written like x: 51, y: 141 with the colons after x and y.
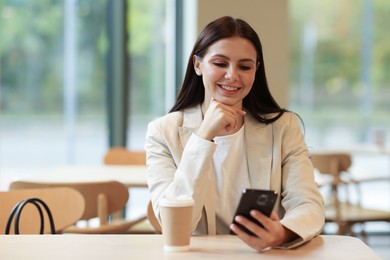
x: 229, y: 88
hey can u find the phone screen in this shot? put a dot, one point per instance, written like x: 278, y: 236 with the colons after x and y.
x: 262, y: 200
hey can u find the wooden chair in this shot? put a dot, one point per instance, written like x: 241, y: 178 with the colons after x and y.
x: 153, y: 220
x: 123, y: 156
x: 66, y: 205
x: 344, y: 213
x: 101, y: 200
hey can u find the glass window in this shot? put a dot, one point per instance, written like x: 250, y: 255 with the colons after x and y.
x: 52, y: 81
x: 53, y: 75
x: 149, y: 30
x: 340, y: 85
x: 339, y: 63
x: 51, y: 85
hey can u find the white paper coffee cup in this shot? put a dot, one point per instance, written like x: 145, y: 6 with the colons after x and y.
x: 176, y: 219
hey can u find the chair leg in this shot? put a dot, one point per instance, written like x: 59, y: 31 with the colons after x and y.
x: 102, y: 209
x: 348, y: 230
x: 341, y: 229
x: 364, y: 236
x: 363, y: 233
x: 345, y: 229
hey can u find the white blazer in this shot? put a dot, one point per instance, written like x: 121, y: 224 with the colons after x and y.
x: 179, y: 162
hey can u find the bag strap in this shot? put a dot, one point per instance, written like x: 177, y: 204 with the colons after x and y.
x: 17, y: 211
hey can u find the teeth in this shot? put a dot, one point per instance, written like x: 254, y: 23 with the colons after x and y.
x: 229, y: 88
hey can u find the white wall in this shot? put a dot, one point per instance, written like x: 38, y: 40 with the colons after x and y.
x: 270, y: 20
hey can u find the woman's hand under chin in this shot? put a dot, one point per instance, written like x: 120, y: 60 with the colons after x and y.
x: 219, y: 120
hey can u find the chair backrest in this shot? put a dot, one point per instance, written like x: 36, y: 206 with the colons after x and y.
x: 152, y: 219
x: 66, y: 205
x: 332, y: 163
x: 101, y: 198
x: 122, y: 156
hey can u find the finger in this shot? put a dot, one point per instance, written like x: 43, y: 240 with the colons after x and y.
x: 239, y: 232
x: 228, y: 128
x: 239, y: 111
x: 234, y: 110
x: 274, y: 216
x: 251, y: 241
x: 255, y: 228
x: 267, y: 223
x: 263, y: 219
x: 230, y: 125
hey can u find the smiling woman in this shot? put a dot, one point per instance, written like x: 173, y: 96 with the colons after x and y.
x: 226, y: 133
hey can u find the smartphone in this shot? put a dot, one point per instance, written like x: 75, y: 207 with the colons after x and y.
x: 262, y: 200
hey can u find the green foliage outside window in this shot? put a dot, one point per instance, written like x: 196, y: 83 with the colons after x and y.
x: 339, y: 66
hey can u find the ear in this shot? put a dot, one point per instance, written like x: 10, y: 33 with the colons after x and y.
x: 195, y: 60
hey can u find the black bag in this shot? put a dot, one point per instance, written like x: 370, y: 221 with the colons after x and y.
x: 17, y: 211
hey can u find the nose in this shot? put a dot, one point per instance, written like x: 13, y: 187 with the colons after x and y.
x: 231, y: 74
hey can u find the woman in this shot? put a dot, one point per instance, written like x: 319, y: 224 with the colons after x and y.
x: 226, y: 133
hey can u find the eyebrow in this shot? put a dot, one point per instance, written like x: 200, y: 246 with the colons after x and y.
x: 227, y: 58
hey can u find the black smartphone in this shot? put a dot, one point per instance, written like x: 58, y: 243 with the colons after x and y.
x: 262, y: 200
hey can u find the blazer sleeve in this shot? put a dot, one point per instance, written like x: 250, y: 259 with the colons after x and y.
x: 174, y: 170
x: 303, y: 203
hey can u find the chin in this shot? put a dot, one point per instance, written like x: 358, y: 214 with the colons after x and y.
x: 230, y: 102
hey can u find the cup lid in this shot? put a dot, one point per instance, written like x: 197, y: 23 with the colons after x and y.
x: 180, y: 201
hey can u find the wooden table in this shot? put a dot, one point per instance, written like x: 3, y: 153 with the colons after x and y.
x: 131, y: 176
x: 151, y: 247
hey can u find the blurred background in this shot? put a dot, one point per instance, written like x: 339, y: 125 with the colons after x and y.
x: 79, y: 76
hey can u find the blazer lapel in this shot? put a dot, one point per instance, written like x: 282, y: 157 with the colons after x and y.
x: 192, y: 118
x: 259, y: 146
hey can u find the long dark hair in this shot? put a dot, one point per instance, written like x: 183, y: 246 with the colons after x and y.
x: 259, y: 101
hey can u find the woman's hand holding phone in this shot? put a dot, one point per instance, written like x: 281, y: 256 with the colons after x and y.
x: 271, y: 233
x: 255, y: 222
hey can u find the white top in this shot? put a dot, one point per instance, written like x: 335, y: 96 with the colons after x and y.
x: 232, y: 176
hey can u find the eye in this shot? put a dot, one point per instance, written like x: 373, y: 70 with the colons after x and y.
x: 242, y: 67
x: 220, y: 64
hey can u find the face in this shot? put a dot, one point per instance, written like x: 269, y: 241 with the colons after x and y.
x: 228, y: 70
